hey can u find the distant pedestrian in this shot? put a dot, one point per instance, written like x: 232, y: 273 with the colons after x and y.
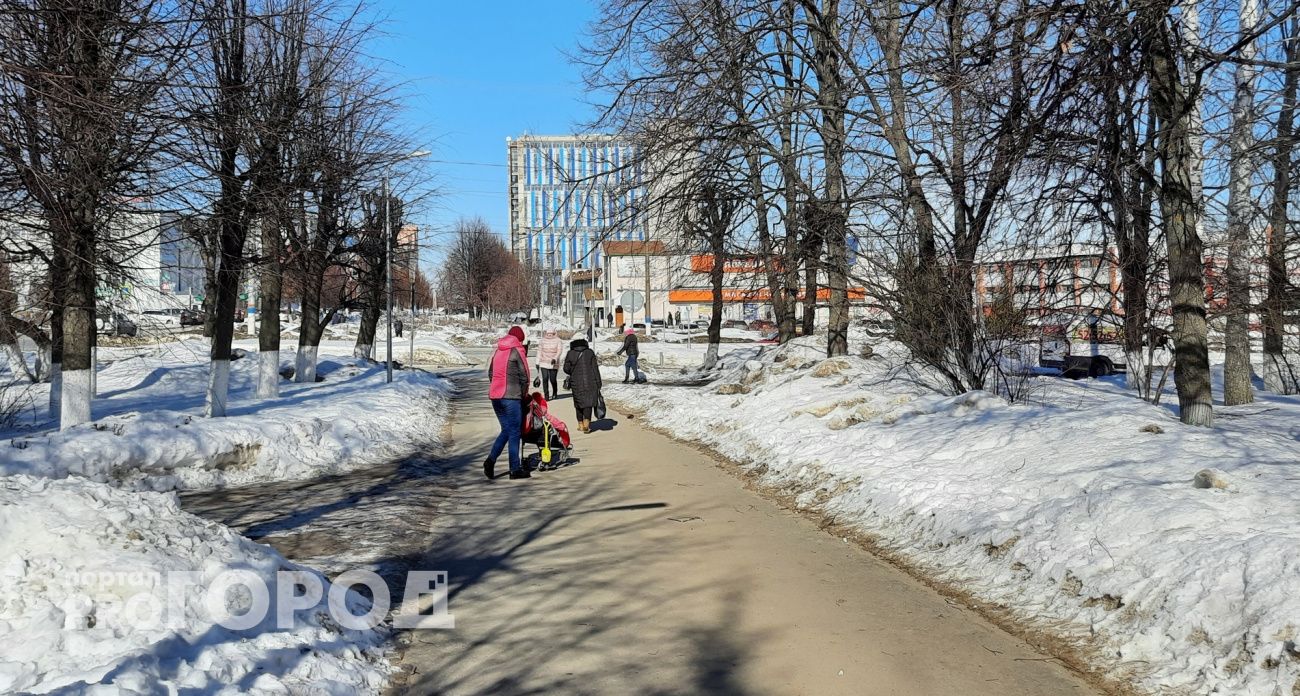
x: 508, y: 378
x: 548, y: 362
x: 397, y: 327
x: 630, y: 371
x: 584, y: 380
x: 679, y: 317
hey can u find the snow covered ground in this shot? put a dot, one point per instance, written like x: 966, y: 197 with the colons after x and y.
x: 82, y: 531
x: 80, y: 565
x: 1076, y: 510
x: 149, y: 434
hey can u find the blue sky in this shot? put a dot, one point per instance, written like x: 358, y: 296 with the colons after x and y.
x: 476, y: 72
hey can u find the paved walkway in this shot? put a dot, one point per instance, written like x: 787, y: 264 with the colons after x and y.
x: 645, y: 569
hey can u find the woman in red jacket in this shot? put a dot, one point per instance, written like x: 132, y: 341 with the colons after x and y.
x: 508, y: 375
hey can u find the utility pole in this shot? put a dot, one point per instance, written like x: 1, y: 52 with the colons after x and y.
x: 388, y: 263
x: 388, y: 273
x: 645, y: 249
x: 415, y: 268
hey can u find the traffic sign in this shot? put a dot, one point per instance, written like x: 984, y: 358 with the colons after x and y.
x: 632, y: 300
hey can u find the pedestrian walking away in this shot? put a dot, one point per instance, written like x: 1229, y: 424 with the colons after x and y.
x: 584, y: 375
x: 630, y: 371
x: 397, y: 327
x: 508, y: 378
x: 548, y: 362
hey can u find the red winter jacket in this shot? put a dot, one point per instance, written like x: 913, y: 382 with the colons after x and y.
x: 508, y: 370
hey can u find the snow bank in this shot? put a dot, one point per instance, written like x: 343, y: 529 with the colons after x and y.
x: 1078, y: 513
x: 148, y: 434
x: 74, y: 552
x: 432, y: 352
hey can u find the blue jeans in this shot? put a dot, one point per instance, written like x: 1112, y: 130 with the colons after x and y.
x: 629, y: 368
x: 510, y: 414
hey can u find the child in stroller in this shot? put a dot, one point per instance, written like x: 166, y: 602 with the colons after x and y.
x: 548, y: 433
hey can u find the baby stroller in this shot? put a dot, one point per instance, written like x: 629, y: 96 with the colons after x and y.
x: 548, y: 433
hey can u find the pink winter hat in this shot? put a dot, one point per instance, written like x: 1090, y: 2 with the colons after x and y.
x: 630, y: 330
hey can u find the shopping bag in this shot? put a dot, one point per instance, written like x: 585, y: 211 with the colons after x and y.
x: 600, y: 407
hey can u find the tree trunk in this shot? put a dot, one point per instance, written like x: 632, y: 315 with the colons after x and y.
x: 57, y: 299
x: 1173, y: 107
x: 1280, y: 377
x: 78, y: 324
x: 309, y: 333
x: 270, y: 290
x: 812, y: 249
x: 717, y: 239
x: 833, y: 213
x: 790, y: 175
x: 771, y: 262
x: 233, y: 234
x: 1236, y: 368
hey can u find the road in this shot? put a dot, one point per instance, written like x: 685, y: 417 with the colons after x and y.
x: 642, y: 568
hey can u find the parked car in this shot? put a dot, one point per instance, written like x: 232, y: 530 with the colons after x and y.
x: 735, y: 324
x: 700, y: 323
x: 157, y: 318
x: 115, y: 324
x: 192, y: 317
x: 762, y: 325
x: 658, y: 323
x: 877, y: 328
x: 1091, y: 344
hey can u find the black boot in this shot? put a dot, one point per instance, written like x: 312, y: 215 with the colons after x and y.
x: 489, y: 468
x: 521, y: 473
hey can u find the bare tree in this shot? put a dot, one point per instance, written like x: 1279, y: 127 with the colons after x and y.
x: 1236, y: 370
x: 82, y: 128
x: 1280, y: 376
x: 1173, y: 102
x: 369, y: 250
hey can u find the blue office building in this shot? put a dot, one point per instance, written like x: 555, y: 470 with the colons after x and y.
x: 571, y: 193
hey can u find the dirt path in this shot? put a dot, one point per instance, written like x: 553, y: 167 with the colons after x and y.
x: 645, y: 569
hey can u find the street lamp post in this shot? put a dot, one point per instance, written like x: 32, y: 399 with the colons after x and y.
x: 411, y: 273
x: 388, y: 263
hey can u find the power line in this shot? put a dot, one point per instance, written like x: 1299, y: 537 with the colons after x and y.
x: 470, y: 164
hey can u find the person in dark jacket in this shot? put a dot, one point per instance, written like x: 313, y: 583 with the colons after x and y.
x: 584, y: 380
x: 630, y: 372
x: 508, y: 379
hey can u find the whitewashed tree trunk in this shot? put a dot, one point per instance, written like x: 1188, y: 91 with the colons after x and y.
x: 305, y: 365
x: 1137, y: 375
x: 711, y: 356
x: 268, y: 374
x: 74, y: 406
x: 44, y: 363
x: 56, y: 389
x: 365, y: 351
x: 17, y: 362
x: 218, y: 388
x: 1236, y: 369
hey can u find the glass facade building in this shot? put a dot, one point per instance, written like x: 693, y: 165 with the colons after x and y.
x: 569, y: 194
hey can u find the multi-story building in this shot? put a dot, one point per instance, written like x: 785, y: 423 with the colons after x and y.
x: 571, y: 193
x: 182, y: 268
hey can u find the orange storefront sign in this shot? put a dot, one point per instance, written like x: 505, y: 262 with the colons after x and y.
x: 704, y: 296
x: 703, y: 263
